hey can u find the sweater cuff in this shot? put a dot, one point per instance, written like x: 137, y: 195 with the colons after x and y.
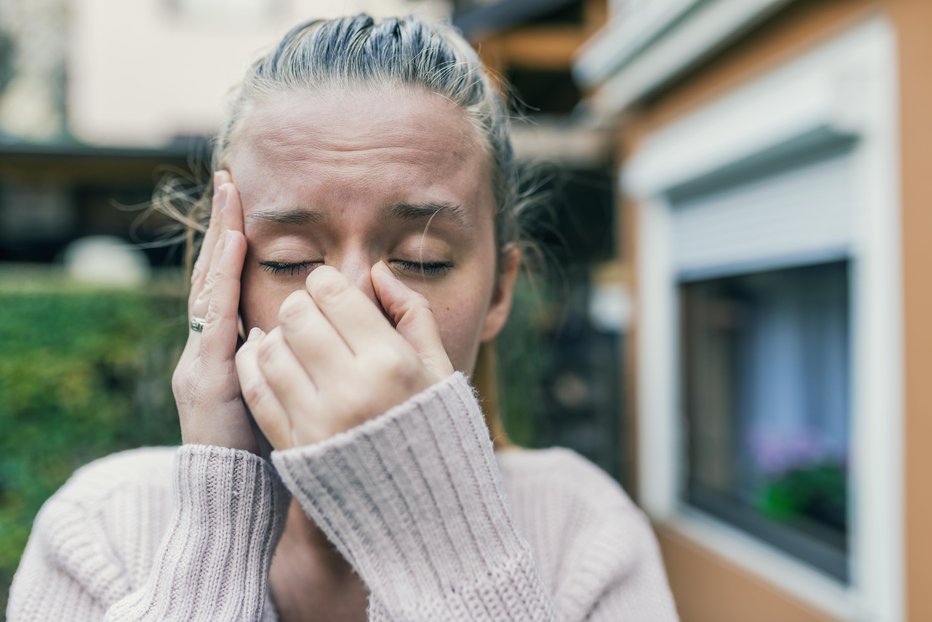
x: 413, y: 499
x: 230, y: 508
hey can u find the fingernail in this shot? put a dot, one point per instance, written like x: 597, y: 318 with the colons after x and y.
x: 254, y: 333
x: 218, y: 179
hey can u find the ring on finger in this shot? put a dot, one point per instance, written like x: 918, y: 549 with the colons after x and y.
x: 197, y: 324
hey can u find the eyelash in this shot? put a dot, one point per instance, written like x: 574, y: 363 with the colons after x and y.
x: 289, y: 269
x: 429, y: 268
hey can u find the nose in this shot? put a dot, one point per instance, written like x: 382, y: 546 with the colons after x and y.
x: 356, y: 270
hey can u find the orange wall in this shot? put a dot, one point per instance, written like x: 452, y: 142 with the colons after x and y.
x: 709, y: 589
x: 913, y: 20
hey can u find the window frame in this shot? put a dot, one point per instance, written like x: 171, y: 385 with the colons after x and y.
x: 845, y: 86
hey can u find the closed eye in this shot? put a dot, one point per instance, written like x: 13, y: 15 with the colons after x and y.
x: 428, y: 268
x: 289, y: 269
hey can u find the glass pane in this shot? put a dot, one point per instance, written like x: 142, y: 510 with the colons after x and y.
x: 766, y: 386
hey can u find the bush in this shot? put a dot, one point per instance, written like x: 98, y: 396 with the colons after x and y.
x: 83, y: 373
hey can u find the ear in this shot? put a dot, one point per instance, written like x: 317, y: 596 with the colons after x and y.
x: 500, y: 306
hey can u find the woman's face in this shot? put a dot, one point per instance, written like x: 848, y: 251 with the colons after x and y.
x: 353, y: 177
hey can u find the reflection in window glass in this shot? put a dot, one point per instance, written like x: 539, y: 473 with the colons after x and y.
x: 766, y: 387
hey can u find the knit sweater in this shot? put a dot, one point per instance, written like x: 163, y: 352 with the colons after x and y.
x: 437, y: 525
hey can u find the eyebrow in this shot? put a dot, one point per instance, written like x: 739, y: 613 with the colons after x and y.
x: 292, y: 216
x: 399, y: 211
x: 426, y: 211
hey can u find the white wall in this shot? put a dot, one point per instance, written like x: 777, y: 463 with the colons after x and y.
x: 140, y: 72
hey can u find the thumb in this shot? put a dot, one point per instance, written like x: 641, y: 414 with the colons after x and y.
x: 410, y: 312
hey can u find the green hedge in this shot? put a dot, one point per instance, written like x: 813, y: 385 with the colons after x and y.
x: 83, y: 373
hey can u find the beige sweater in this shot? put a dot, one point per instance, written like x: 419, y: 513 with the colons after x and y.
x: 437, y: 526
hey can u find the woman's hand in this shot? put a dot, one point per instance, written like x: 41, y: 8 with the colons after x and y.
x: 205, y: 383
x: 335, y: 361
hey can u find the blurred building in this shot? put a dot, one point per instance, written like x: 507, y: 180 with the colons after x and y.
x: 100, y: 99
x: 144, y: 72
x: 773, y: 156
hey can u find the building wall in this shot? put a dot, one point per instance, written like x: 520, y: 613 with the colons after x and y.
x: 144, y: 71
x: 706, y: 586
x: 914, y: 19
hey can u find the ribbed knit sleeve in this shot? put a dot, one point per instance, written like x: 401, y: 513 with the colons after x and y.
x: 414, y: 500
x: 211, y: 563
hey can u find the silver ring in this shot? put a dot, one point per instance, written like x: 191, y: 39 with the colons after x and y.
x: 197, y: 324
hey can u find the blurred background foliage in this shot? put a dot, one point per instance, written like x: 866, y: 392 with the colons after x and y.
x: 84, y: 372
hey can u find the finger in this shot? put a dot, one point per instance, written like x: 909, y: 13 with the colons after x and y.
x: 321, y: 351
x: 202, y: 263
x: 293, y: 388
x: 265, y: 408
x: 218, y: 340
x: 413, y: 319
x: 233, y: 218
x: 356, y: 319
x: 199, y: 305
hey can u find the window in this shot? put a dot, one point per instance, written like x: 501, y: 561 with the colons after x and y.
x: 761, y: 274
x: 765, y: 386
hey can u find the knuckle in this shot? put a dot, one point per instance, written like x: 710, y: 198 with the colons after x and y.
x: 213, y: 315
x: 179, y: 383
x: 419, y: 307
x: 183, y: 383
x: 211, y: 276
x: 394, y: 363
x: 217, y: 311
x: 266, y: 350
x: 420, y: 301
x: 349, y: 400
x: 254, y: 392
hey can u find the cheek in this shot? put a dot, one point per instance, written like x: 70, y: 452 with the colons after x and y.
x: 460, y: 309
x: 260, y: 300
x: 460, y: 326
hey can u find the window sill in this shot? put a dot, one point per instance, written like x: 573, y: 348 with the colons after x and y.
x: 767, y: 563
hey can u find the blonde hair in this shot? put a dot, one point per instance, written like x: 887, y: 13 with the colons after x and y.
x: 393, y: 52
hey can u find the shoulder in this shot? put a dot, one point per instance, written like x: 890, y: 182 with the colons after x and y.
x: 113, y: 483
x: 107, y: 519
x: 109, y: 488
x: 594, y: 547
x: 145, y: 467
x: 577, y: 519
x: 565, y: 476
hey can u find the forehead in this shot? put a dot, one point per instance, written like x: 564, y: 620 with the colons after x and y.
x: 362, y: 146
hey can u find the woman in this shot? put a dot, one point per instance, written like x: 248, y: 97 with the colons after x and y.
x: 363, y: 226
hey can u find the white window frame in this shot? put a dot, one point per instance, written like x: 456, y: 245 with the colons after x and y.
x: 847, y: 84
